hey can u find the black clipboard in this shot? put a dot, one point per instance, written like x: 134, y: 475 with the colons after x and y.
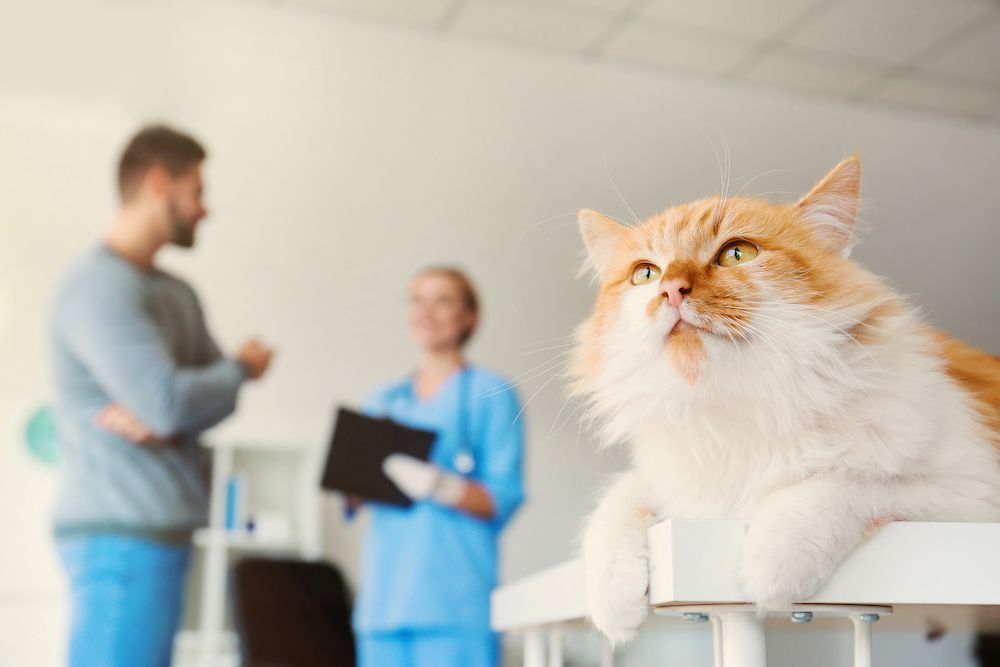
x: 357, y: 448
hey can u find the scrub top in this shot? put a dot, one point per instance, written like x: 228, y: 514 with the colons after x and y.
x: 429, y: 566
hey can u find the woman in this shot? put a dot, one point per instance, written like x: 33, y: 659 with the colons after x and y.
x: 427, y: 571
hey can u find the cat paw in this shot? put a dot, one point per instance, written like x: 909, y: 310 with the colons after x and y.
x: 617, y: 582
x: 779, y: 568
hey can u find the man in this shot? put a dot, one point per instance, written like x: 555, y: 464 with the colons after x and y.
x: 138, y: 379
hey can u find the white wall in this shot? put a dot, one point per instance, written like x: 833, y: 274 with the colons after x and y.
x: 345, y: 155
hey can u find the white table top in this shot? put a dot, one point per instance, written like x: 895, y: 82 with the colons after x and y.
x: 944, y: 574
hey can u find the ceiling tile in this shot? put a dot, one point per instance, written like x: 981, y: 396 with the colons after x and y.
x: 940, y: 94
x: 757, y: 19
x: 677, y: 49
x: 424, y: 12
x: 977, y: 57
x: 532, y: 23
x: 615, y: 6
x: 890, y: 31
x: 818, y: 73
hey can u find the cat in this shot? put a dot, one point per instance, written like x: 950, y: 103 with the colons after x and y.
x: 758, y: 373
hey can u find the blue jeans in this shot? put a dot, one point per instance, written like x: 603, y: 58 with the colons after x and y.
x: 427, y: 648
x: 127, y: 598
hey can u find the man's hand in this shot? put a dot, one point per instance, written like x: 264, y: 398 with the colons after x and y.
x: 120, y: 421
x: 256, y: 357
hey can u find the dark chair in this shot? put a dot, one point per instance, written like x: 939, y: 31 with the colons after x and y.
x: 988, y: 650
x: 291, y: 613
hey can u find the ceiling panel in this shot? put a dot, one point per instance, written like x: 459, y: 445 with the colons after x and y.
x: 423, y: 13
x: 941, y: 56
x: 891, y: 31
x: 616, y: 6
x: 976, y: 57
x: 532, y: 23
x: 754, y: 19
x: 678, y: 50
x: 940, y: 94
x: 817, y: 73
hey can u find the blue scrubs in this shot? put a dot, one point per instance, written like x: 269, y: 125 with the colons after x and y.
x: 427, y: 571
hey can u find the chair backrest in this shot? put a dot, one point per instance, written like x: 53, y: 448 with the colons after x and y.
x: 292, y: 613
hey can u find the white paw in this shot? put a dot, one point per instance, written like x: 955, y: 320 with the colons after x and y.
x: 617, y: 581
x: 782, y: 566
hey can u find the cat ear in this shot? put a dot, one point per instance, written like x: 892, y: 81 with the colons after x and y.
x: 606, y: 240
x: 831, y: 207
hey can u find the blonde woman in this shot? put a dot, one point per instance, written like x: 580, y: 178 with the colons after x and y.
x: 427, y: 571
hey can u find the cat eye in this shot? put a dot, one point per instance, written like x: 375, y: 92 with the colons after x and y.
x: 736, y: 252
x: 644, y: 273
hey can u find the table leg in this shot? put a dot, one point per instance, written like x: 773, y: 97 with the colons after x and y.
x: 743, y: 639
x: 555, y: 647
x: 534, y: 648
x: 607, y: 653
x: 862, y: 641
x: 716, y: 640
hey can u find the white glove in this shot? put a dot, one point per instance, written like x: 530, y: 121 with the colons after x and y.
x: 420, y: 480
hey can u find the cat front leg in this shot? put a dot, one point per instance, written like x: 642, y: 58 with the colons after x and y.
x: 800, y: 534
x: 616, y: 559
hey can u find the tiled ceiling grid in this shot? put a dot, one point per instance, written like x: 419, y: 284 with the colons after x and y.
x: 938, y: 56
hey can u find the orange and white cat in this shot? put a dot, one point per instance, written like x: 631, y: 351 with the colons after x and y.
x: 758, y: 373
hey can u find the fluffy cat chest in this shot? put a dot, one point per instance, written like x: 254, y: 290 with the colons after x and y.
x: 699, y: 475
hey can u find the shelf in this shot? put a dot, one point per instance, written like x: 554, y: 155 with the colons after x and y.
x: 261, y: 445
x: 193, y: 648
x: 207, y: 537
x: 187, y: 640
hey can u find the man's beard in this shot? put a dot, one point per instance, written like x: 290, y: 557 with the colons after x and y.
x: 181, y: 231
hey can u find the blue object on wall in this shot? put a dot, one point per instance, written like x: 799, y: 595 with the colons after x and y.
x: 40, y: 436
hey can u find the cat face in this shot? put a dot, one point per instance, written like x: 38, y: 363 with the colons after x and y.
x: 708, y: 290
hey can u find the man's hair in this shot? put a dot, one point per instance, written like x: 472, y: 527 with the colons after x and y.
x: 156, y: 146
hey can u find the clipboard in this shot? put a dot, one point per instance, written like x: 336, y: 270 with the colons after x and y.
x: 357, y: 448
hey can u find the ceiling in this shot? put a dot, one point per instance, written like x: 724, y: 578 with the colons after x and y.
x: 936, y: 56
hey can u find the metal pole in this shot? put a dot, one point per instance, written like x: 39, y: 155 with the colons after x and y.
x: 716, y: 640
x: 555, y: 647
x: 743, y: 639
x: 534, y: 648
x: 863, y: 638
x: 607, y: 653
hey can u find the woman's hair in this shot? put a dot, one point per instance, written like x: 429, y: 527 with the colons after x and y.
x: 470, y: 297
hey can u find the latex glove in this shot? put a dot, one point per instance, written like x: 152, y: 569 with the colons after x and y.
x: 421, y: 480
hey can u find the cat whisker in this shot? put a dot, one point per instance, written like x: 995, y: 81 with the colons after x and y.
x: 770, y: 342
x: 756, y: 178
x: 556, y: 427
x: 560, y: 346
x: 829, y: 356
x: 532, y: 397
x: 551, y: 364
x: 549, y: 340
x: 618, y: 192
x: 777, y: 192
x: 548, y: 349
x: 532, y: 227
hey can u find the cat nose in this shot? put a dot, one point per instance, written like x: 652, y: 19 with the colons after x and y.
x: 674, y: 290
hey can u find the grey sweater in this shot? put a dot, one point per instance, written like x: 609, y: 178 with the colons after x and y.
x: 137, y: 338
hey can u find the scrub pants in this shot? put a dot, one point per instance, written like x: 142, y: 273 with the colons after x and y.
x: 126, y: 597
x: 428, y: 648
